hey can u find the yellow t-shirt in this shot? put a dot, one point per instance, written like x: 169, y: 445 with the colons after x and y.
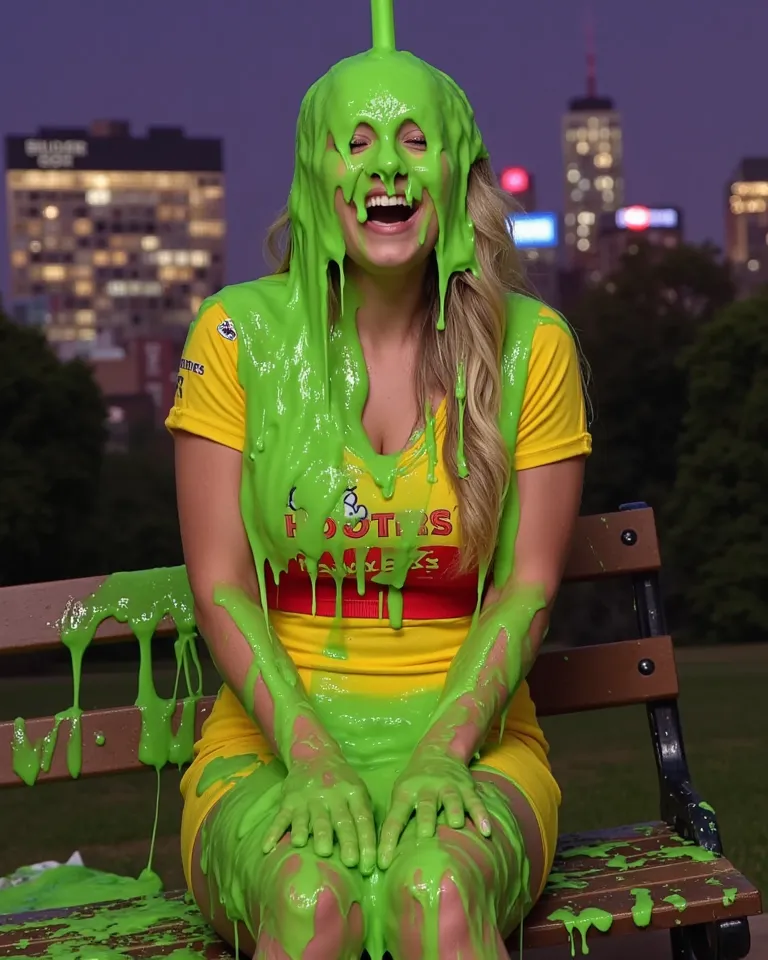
x: 210, y: 401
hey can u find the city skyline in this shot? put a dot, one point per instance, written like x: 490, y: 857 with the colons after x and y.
x: 684, y: 81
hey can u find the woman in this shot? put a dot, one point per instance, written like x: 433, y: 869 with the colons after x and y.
x: 362, y: 439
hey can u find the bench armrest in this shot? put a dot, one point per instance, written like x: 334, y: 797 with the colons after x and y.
x: 684, y: 808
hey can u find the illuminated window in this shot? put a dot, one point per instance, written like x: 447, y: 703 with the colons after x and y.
x: 753, y: 265
x: 573, y: 176
x: 576, y: 195
x: 98, y: 197
x: 586, y: 217
x: 582, y: 133
x: 100, y: 181
x: 583, y: 245
x: 85, y: 318
x: 570, y: 219
x: 604, y: 146
x: 604, y: 183
x: 603, y: 160
x: 101, y: 258
x: 150, y: 243
x: 134, y: 288
x: 584, y: 184
x: 83, y: 288
x: 169, y: 213
x: 582, y: 231
x: 213, y: 193
x: 608, y: 196
x: 54, y: 272
x: 199, y: 258
x: 51, y: 212
x: 582, y: 147
x: 34, y: 228
x: 35, y: 246
x: 86, y: 334
x: 82, y: 227
x: 206, y: 228
x: 19, y: 258
x: 119, y: 258
x: 175, y: 274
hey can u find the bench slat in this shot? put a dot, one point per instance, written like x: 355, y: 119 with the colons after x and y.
x: 609, y: 885
x: 140, y: 924
x: 30, y: 614
x: 582, y: 678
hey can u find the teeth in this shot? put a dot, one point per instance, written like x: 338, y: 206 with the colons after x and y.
x: 383, y: 201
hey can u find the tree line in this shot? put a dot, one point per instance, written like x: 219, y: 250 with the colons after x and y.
x: 678, y: 387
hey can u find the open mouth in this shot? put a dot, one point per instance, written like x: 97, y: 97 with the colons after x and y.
x: 389, y: 211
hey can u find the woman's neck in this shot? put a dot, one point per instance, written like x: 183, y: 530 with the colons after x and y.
x: 389, y: 308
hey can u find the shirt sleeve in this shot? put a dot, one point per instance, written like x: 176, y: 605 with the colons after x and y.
x: 553, y: 420
x: 209, y: 400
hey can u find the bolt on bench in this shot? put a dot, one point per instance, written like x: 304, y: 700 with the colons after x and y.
x: 669, y: 874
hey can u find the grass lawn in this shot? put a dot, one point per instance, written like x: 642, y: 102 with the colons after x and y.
x: 603, y: 760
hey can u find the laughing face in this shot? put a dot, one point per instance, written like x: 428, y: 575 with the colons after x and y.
x: 384, y: 146
x: 397, y: 230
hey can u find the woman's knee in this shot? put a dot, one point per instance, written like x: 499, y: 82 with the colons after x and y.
x: 313, y: 906
x: 435, y: 898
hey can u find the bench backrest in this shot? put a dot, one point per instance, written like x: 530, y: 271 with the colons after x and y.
x: 562, y: 681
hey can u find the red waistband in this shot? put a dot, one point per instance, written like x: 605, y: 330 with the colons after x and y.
x: 433, y: 602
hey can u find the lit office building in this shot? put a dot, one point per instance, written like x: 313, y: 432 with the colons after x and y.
x: 746, y: 225
x: 118, y: 236
x: 622, y: 232
x: 592, y: 162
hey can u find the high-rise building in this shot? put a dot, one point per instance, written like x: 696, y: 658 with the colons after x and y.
x: 592, y: 169
x: 119, y: 235
x: 622, y: 232
x: 746, y: 225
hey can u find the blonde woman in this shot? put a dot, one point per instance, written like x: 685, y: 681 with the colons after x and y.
x: 380, y: 455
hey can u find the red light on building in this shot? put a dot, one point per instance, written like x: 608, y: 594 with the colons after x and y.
x: 515, y: 179
x: 637, y: 218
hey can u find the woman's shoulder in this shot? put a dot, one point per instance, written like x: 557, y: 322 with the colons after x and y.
x: 526, y: 315
x: 240, y: 300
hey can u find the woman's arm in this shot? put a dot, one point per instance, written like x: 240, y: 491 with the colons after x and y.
x: 492, y: 662
x: 321, y: 794
x: 220, y: 567
x: 498, y: 654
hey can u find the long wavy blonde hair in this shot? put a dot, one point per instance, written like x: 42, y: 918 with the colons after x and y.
x: 475, y: 325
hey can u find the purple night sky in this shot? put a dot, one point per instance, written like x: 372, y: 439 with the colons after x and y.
x: 687, y: 75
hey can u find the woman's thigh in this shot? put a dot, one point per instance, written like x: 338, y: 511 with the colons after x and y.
x: 460, y: 887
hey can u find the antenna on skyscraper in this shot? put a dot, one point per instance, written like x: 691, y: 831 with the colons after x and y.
x: 589, y: 28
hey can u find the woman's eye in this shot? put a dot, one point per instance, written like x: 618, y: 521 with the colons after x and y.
x: 417, y: 142
x: 357, y: 144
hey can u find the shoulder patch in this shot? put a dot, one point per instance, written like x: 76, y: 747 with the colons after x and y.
x: 227, y: 330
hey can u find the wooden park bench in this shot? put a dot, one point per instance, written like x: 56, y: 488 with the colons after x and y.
x: 694, y: 891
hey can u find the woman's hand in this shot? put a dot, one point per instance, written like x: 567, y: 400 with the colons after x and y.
x: 323, y: 796
x: 432, y: 780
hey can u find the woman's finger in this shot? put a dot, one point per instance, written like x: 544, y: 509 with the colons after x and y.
x: 477, y: 811
x: 393, y: 826
x: 453, y: 806
x: 344, y: 828
x: 300, y: 828
x: 281, y: 823
x: 362, y: 816
x: 426, y: 814
x: 322, y: 829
